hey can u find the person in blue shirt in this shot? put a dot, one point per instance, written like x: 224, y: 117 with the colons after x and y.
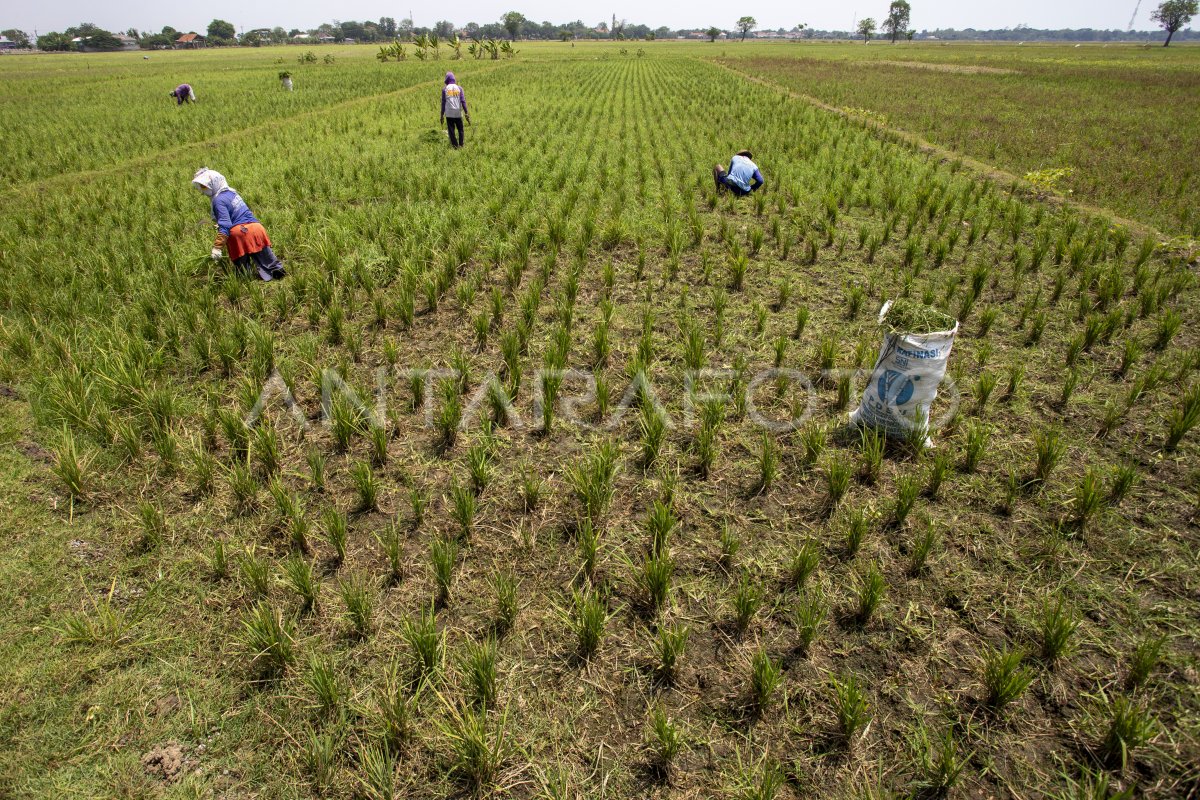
x: 742, y: 177
x: 238, y: 230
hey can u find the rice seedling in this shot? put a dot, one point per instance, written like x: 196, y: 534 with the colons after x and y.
x: 856, y: 530
x: 809, y: 616
x: 665, y: 740
x: 443, y: 554
x: 1168, y: 325
x: 479, y: 671
x: 871, y: 589
x: 319, y: 756
x: 316, y: 469
x: 837, y: 481
x: 269, y: 639
x: 324, y: 684
x: 873, y: 444
x: 336, y: 530
x: 1183, y: 418
x: 154, y: 526
x: 587, y: 619
x: 940, y: 762
x: 850, y: 706
x: 907, y: 489
x: 477, y: 748
x: 983, y: 390
x: 1089, y: 499
x: 747, y: 598
x: 803, y: 563
x: 669, y: 646
x: 768, y: 464
x: 938, y: 469
x: 1005, y: 678
x: 70, y: 468
x: 814, y: 439
x: 766, y: 675
x: 592, y: 479
x: 1056, y: 628
x: 378, y: 767
x: 654, y: 581
x: 1129, y: 726
x: 425, y: 646
x: 218, y: 562
x: 418, y: 501
x: 448, y: 417
x: 298, y: 575
x: 463, y: 508
x: 393, y: 550
x: 801, y: 322
x: 653, y: 426
x: 1049, y: 449
x: 1145, y: 657
x: 1069, y: 384
x: 357, y: 597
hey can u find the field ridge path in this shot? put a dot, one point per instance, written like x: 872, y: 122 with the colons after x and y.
x: 929, y: 148
x: 42, y: 184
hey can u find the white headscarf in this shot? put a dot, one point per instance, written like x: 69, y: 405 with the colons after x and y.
x: 211, y: 182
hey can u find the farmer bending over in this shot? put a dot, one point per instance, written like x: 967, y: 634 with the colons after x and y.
x: 183, y: 93
x: 237, y: 228
x: 743, y: 176
x: 454, y: 107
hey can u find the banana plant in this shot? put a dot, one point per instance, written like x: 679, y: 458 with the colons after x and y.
x: 384, y: 54
x: 456, y: 45
x: 492, y: 49
x: 435, y: 46
x: 508, y: 50
x: 475, y: 50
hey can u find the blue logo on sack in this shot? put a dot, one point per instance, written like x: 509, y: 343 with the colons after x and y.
x: 895, y: 388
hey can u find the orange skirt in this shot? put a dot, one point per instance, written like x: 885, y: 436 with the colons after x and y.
x: 246, y: 239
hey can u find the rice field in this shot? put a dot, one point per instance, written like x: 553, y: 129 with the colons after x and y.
x: 533, y: 478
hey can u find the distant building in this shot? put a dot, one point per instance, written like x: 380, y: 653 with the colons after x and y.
x: 127, y: 42
x: 7, y: 43
x: 189, y: 41
x: 325, y: 38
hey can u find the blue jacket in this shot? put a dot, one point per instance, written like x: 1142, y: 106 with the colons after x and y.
x: 229, y: 209
x: 742, y: 170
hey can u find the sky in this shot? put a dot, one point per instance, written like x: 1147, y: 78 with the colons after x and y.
x: 118, y: 15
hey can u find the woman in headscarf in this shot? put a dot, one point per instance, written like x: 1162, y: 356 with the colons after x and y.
x: 454, y: 108
x: 183, y: 93
x: 238, y: 230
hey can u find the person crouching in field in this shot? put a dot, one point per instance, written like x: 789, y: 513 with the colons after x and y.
x: 183, y: 93
x: 237, y: 228
x: 454, y: 108
x: 743, y: 176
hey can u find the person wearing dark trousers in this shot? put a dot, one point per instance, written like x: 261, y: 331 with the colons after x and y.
x: 742, y: 177
x: 454, y: 108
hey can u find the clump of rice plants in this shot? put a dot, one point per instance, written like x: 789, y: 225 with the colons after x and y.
x: 665, y: 740
x: 357, y: 597
x: 809, y: 616
x: 870, y: 593
x: 669, y: 645
x: 478, y: 746
x: 803, y: 563
x: 587, y: 618
x: 766, y: 675
x: 1183, y: 418
x: 592, y: 479
x: 1049, y: 449
x: 1129, y: 726
x: 920, y: 549
x: 298, y: 575
x: 837, y: 481
x: 747, y: 598
x: 336, y: 531
x: 269, y: 638
x: 425, y: 646
x: 1145, y: 657
x: 1056, y: 628
x: 443, y: 554
x: 479, y: 670
x: 850, y: 706
x: 940, y: 762
x: 1005, y: 678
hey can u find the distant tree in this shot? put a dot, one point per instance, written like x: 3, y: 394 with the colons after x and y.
x: 897, y: 19
x: 444, y: 28
x: 565, y: 35
x: 55, y: 42
x: 1174, y: 14
x: 278, y: 35
x: 221, y: 31
x: 512, y: 22
x: 93, y: 37
x: 132, y: 33
x: 405, y: 29
x: 662, y: 32
x: 745, y: 25
x: 19, y: 38
x: 713, y: 32
x: 472, y: 30
x: 866, y: 28
x: 169, y: 32
x: 387, y: 27
x: 909, y: 34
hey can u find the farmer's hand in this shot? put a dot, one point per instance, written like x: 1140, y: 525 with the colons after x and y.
x: 468, y: 119
x: 441, y: 120
x: 216, y: 254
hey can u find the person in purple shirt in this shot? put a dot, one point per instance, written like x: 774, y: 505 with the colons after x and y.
x: 742, y: 177
x: 238, y: 230
x: 183, y: 93
x: 454, y: 108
